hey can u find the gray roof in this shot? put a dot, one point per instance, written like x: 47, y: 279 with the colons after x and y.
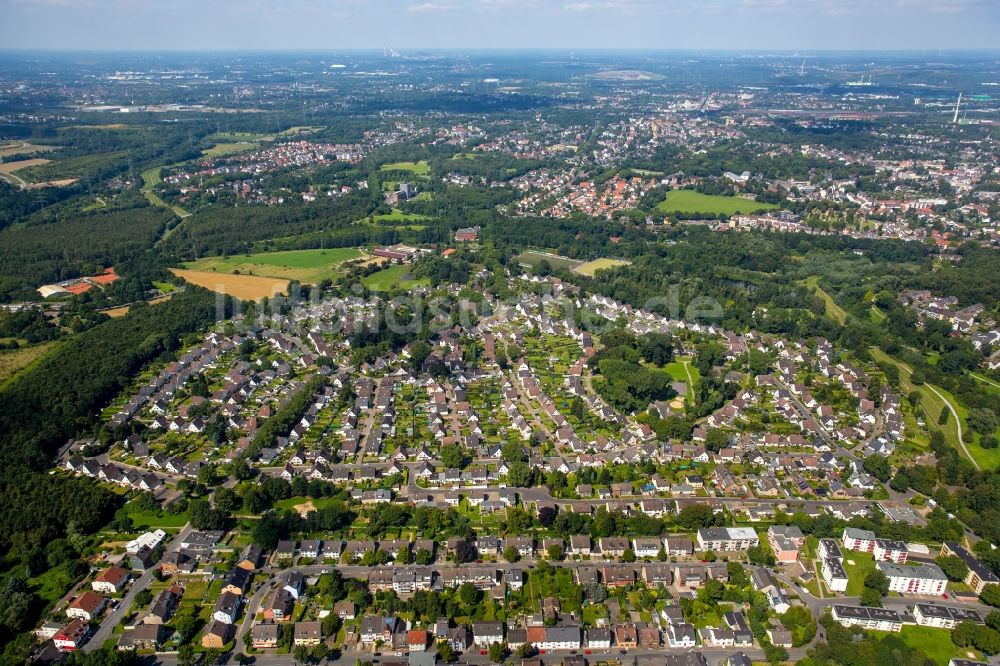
x: 926, y: 571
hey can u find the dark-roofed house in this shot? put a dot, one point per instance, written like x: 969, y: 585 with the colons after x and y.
x: 307, y: 633
x: 265, y: 635
x: 142, y: 637
x: 227, y: 608
x: 250, y: 558
x: 486, y: 633
x: 217, y: 635
x: 237, y: 581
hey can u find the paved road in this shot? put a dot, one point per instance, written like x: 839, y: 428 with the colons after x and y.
x: 104, y: 632
x: 251, y: 610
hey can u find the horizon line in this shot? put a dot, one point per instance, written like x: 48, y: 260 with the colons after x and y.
x: 563, y: 49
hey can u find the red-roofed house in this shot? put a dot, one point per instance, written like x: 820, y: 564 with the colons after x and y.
x: 87, y: 606
x: 110, y: 581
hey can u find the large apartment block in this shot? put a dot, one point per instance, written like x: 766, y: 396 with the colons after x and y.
x: 926, y: 579
x: 890, y: 551
x: 979, y: 576
x: 944, y: 617
x: 727, y: 538
x: 834, y: 574
x: 878, y: 619
x: 862, y: 541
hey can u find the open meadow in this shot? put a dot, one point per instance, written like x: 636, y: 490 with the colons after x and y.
x: 11, y: 167
x: 693, y: 202
x: 22, y: 148
x: 222, y: 149
x: 391, y: 277
x: 590, y: 268
x: 416, y: 168
x: 13, y: 360
x: 307, y: 266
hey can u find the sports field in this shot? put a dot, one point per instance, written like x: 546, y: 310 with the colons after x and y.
x: 394, y: 276
x: 307, y: 266
x: 243, y: 287
x: 591, y: 267
x: 417, y: 168
x: 691, y: 201
x: 533, y: 258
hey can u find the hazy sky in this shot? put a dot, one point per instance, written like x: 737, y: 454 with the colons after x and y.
x: 408, y: 24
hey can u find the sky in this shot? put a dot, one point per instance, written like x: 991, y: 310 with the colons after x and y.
x: 467, y: 24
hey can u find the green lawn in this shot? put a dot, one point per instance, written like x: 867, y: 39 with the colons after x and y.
x: 310, y: 266
x: 591, y: 267
x: 692, y: 201
x: 147, y: 519
x: 417, y: 168
x: 678, y: 373
x: 165, y: 287
x: 863, y: 563
x: 935, y: 644
x: 150, y: 179
x: 394, y: 276
x: 239, y: 137
x: 399, y: 216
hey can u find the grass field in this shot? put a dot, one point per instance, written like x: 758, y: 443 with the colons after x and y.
x: 399, y: 216
x: 933, y: 400
x: 679, y: 373
x: 13, y: 361
x: 11, y: 167
x: 417, y: 168
x: 591, y: 267
x: 221, y: 149
x: 310, y: 266
x: 533, y: 258
x: 838, y: 313
x: 935, y: 644
x: 244, y: 287
x: 691, y: 201
x: 155, y: 520
x: 150, y: 179
x: 22, y: 148
x: 239, y: 137
x: 863, y: 563
x: 394, y: 276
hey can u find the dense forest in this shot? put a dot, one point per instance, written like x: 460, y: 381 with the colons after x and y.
x: 219, y: 231
x: 83, y: 244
